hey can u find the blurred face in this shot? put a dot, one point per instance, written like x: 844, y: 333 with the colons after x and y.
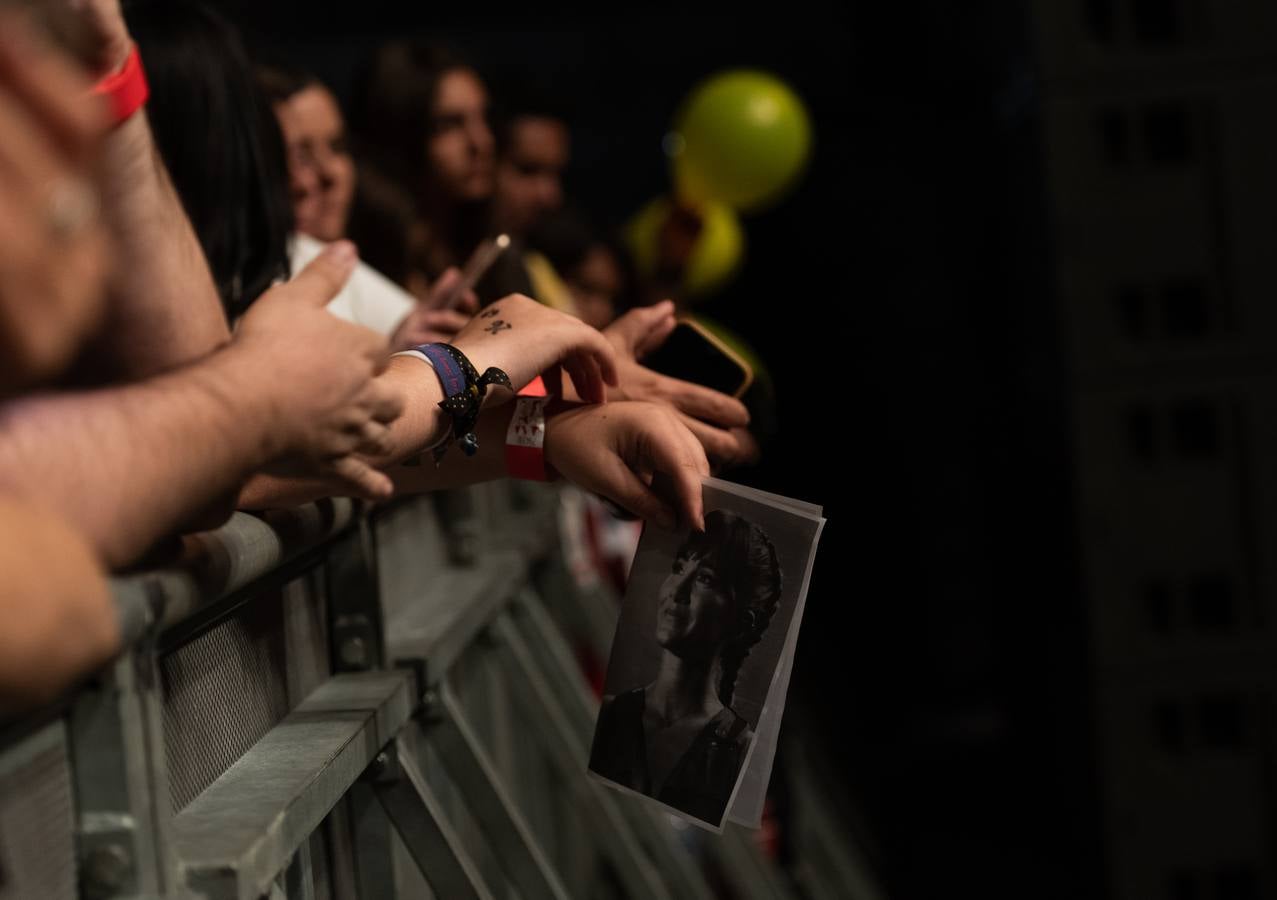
x: 695, y: 608
x: 460, y: 147
x: 594, y: 285
x: 321, y: 172
x: 529, y: 175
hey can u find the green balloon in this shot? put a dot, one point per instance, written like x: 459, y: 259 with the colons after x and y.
x: 742, y: 138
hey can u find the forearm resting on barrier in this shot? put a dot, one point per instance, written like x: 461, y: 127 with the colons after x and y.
x: 418, y: 428
x: 126, y: 466
x: 612, y: 449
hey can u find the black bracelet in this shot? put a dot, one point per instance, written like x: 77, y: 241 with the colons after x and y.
x: 464, y: 389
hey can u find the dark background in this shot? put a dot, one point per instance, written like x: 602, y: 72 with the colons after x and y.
x: 902, y: 296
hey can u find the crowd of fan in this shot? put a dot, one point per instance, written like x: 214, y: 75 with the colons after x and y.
x: 187, y: 327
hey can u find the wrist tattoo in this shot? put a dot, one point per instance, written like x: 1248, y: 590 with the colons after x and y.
x: 498, y: 325
x: 489, y: 312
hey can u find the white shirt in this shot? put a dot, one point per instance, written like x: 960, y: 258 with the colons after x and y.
x: 369, y: 298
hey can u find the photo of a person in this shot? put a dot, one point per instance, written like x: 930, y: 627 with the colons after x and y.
x: 677, y: 737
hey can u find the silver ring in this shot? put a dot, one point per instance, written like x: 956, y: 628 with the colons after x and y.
x: 71, y: 208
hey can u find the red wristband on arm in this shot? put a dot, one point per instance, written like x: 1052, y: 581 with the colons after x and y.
x: 525, y: 439
x: 126, y: 89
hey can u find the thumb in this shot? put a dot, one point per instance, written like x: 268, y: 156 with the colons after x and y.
x: 327, y: 274
x: 644, y: 328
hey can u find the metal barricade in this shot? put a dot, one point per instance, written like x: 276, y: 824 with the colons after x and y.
x: 320, y: 703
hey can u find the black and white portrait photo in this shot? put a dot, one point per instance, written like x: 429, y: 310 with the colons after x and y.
x: 701, y: 635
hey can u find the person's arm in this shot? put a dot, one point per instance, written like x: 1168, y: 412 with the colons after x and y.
x: 517, y: 335
x: 127, y: 465
x: 616, y: 449
x: 59, y: 619
x: 610, y: 449
x: 420, y: 424
x: 163, y: 308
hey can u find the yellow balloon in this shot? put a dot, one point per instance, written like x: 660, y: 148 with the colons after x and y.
x: 742, y: 138
x: 715, y: 256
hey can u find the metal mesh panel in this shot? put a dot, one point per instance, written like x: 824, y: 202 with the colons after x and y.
x: 222, y: 692
x: 228, y: 687
x: 306, y: 636
x: 37, y: 836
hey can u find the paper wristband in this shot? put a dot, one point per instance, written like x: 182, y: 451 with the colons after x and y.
x: 522, y: 461
x: 525, y: 439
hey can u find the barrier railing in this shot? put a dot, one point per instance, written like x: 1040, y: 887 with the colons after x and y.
x: 321, y: 704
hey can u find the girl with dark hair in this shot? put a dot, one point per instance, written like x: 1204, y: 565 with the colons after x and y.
x: 321, y: 167
x: 678, y: 739
x: 423, y: 120
x: 219, y: 140
x: 217, y: 132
